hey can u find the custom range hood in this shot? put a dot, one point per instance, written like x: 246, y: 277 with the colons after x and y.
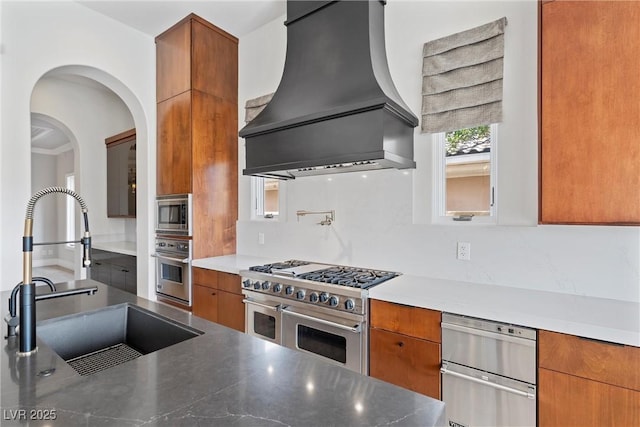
x: 336, y: 108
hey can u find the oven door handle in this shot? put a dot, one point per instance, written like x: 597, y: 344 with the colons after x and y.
x: 445, y: 371
x: 181, y: 260
x: 268, y: 307
x: 355, y: 328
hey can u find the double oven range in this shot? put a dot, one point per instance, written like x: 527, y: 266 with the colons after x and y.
x: 315, y: 308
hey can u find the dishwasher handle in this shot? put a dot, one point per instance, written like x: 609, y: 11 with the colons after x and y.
x: 487, y: 383
x: 488, y: 334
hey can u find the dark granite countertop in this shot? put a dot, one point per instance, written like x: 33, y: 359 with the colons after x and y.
x: 222, y: 377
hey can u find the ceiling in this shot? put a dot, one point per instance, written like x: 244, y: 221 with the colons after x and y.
x: 152, y: 17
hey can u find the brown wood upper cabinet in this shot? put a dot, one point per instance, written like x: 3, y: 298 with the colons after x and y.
x: 404, y: 346
x: 196, y: 55
x: 121, y: 175
x: 197, y: 124
x: 590, y: 113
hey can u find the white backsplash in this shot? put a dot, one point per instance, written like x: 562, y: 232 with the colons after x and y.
x: 373, y: 228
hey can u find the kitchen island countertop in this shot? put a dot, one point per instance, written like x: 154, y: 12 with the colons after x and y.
x: 222, y: 377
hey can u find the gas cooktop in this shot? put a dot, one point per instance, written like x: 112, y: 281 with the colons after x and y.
x: 354, y: 277
x: 327, y: 286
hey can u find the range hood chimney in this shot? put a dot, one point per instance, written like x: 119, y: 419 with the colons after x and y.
x: 336, y: 108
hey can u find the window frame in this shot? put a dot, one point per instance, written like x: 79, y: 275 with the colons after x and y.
x: 257, y: 200
x: 439, y: 215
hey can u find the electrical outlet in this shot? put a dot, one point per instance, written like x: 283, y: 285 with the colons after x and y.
x: 464, y: 251
x: 261, y: 238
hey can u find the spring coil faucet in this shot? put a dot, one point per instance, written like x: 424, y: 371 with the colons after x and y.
x: 27, y: 287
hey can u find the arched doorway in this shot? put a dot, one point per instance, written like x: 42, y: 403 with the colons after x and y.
x: 48, y: 103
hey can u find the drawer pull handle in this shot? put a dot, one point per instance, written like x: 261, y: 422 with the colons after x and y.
x: 400, y: 344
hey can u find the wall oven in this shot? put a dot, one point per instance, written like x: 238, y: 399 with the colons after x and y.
x: 174, y: 214
x: 173, y: 269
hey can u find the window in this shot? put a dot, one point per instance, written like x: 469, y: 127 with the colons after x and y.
x: 466, y: 170
x: 266, y: 197
x: 70, y: 183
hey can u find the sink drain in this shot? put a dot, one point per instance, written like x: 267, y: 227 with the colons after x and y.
x: 106, y: 358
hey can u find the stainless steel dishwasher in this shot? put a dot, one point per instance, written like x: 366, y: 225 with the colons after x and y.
x: 488, y: 372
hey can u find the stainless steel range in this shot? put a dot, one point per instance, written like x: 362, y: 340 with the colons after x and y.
x: 315, y: 308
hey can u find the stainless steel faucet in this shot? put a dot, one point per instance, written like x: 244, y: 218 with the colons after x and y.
x: 27, y: 287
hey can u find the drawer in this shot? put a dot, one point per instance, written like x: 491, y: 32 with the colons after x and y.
x: 596, y: 360
x: 412, y: 321
x: 407, y: 362
x: 229, y: 282
x: 204, y: 277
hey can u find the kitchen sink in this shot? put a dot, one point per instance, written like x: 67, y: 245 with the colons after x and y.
x: 93, y: 341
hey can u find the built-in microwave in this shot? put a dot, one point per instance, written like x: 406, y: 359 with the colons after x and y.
x: 174, y: 214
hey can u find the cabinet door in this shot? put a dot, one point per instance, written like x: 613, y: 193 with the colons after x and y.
x: 174, y: 145
x: 413, y: 321
x: 231, y: 310
x: 404, y: 361
x: 565, y: 400
x: 590, y: 114
x: 205, y: 302
x: 121, y: 175
x: 214, y: 61
x: 173, y: 61
x: 229, y: 282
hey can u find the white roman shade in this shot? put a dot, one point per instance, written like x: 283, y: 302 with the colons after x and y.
x: 462, y: 79
x: 254, y: 106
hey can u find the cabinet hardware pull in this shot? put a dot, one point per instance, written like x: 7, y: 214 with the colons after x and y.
x: 400, y: 344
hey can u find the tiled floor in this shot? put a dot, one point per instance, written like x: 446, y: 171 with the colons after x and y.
x: 54, y: 273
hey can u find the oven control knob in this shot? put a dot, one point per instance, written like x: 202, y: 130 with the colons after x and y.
x: 324, y: 297
x: 277, y: 288
x: 300, y: 294
x: 334, y: 301
x: 256, y: 285
x: 289, y: 290
x: 246, y: 283
x: 266, y: 285
x: 313, y: 297
x: 349, y: 304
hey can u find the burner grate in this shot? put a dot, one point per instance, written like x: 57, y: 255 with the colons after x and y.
x: 268, y: 268
x: 349, y: 276
x: 103, y: 359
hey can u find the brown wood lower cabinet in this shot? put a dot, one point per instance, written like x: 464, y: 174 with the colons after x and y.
x: 409, y: 362
x: 587, y: 383
x: 566, y: 400
x: 205, y: 302
x: 404, y: 346
x: 217, y: 297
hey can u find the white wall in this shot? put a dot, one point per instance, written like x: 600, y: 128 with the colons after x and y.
x: 383, y: 221
x: 44, y: 174
x: 38, y: 37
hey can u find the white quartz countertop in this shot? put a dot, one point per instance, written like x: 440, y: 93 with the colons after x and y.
x: 597, y: 318
x: 231, y: 263
x: 121, y: 247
